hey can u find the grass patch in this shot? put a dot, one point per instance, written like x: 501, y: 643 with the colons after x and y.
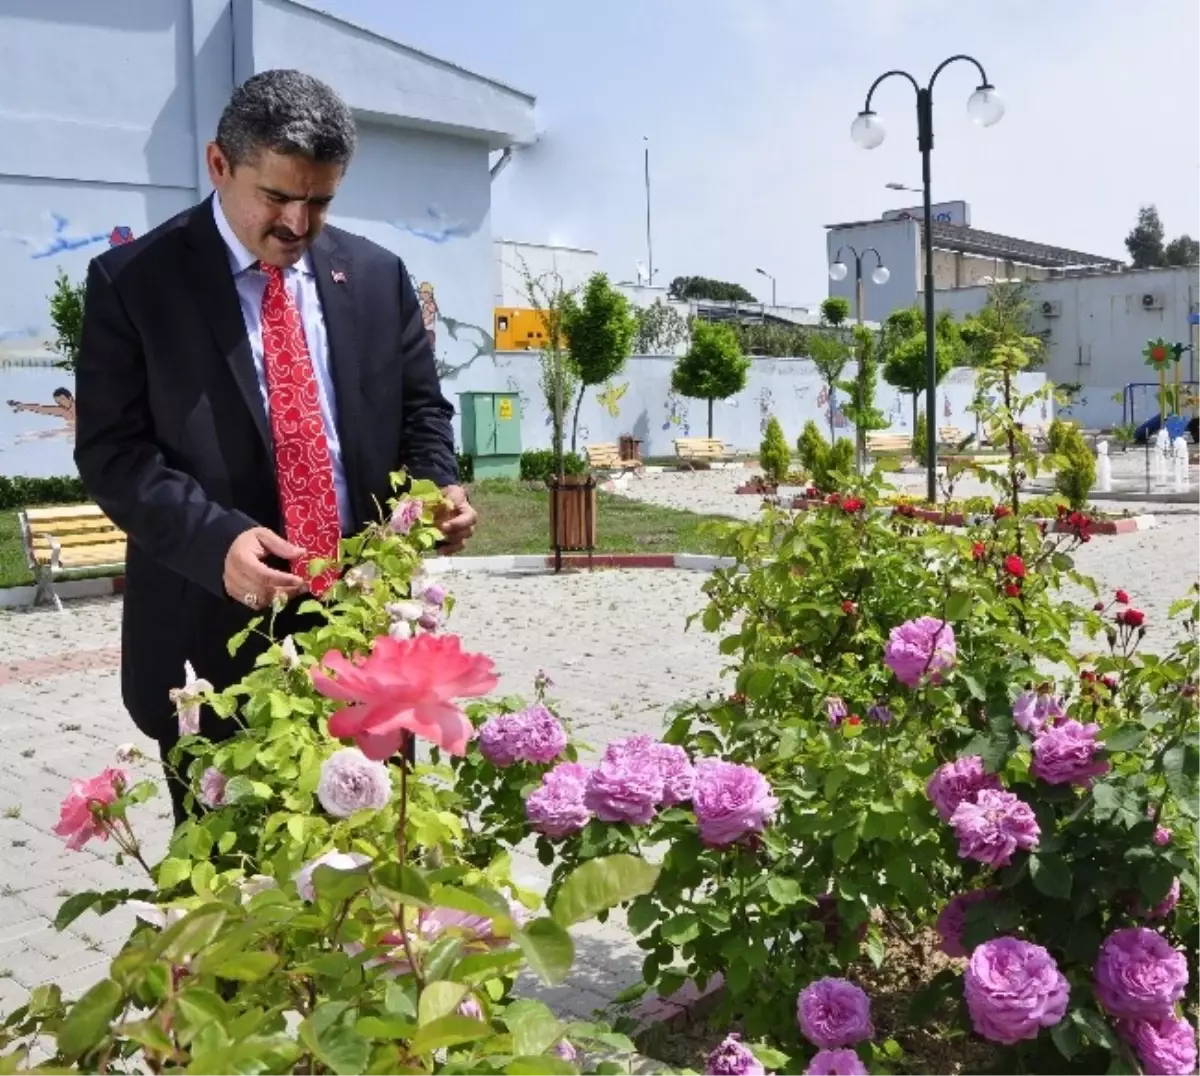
x: 514, y: 518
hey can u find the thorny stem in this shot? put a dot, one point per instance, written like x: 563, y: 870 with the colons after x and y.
x: 402, y: 848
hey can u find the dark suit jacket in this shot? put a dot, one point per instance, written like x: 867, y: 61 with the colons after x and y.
x: 173, y: 441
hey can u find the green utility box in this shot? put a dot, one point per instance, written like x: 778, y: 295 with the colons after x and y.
x: 491, y: 432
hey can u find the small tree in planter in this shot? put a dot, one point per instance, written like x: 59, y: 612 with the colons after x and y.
x: 600, y: 329
x: 902, y: 349
x: 66, y: 315
x: 835, y: 310
x: 774, y: 454
x: 860, y: 408
x: 714, y: 367
x: 829, y: 354
x: 559, y: 378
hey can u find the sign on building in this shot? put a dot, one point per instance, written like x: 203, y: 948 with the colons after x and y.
x: 943, y: 213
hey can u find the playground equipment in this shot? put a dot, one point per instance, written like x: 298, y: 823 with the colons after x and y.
x: 1172, y: 401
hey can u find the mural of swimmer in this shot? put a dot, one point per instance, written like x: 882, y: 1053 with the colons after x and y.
x: 62, y: 408
x: 429, y: 312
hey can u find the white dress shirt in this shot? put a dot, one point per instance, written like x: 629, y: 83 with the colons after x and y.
x: 301, y: 283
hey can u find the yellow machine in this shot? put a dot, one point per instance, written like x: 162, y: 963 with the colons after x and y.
x: 519, y: 329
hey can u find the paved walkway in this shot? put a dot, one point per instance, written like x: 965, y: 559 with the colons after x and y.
x: 613, y: 643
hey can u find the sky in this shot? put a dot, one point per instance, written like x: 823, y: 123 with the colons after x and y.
x: 747, y: 106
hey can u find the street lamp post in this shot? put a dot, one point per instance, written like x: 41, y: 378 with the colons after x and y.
x: 839, y: 271
x: 985, y: 108
x: 772, y: 280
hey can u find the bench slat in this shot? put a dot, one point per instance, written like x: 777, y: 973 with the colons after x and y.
x: 46, y: 541
x: 91, y: 557
x: 72, y: 511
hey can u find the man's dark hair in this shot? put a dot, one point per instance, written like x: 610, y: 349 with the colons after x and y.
x: 288, y: 112
x: 61, y: 392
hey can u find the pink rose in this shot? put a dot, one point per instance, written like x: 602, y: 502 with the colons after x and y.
x: 82, y: 814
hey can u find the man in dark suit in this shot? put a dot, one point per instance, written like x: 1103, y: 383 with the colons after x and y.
x: 247, y: 381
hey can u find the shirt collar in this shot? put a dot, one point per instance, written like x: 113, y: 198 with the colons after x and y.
x: 240, y: 259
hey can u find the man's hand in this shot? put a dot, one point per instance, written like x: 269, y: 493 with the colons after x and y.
x: 249, y: 580
x: 456, y: 520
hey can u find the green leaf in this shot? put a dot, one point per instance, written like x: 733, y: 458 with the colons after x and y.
x: 546, y: 1065
x: 338, y: 885
x: 534, y: 1027
x: 448, y: 1031
x: 834, y: 780
x: 87, y: 1022
x: 1154, y: 880
x: 247, y: 967
x: 927, y: 1001
x: 643, y: 913
x: 783, y: 891
x: 681, y: 929
x: 198, y: 1008
x: 339, y: 1048
x: 770, y: 1058
x: 600, y: 884
x: 73, y: 907
x: 1125, y: 738
x: 403, y: 883
x: 239, y: 788
x: 845, y: 843
x: 192, y: 933
x: 400, y: 999
x: 548, y: 948
x: 1051, y: 875
x: 1096, y: 1028
x: 442, y: 956
x: 875, y: 947
x: 388, y: 1028
x: 1066, y: 1037
x: 173, y: 871
x: 478, y: 967
x: 958, y: 605
x: 202, y: 878
x: 439, y: 999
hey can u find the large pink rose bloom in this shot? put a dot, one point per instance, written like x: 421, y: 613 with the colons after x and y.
x: 920, y: 648
x: 1139, y: 975
x: 76, y: 823
x: 405, y: 686
x: 1013, y: 990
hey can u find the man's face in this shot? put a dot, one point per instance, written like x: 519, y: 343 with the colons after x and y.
x: 275, y: 203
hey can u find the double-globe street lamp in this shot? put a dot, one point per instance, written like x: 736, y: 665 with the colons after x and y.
x: 985, y: 108
x: 839, y: 271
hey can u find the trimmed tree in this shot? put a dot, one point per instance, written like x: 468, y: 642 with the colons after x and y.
x: 860, y: 408
x: 773, y: 453
x: 599, y: 329
x: 829, y: 354
x: 835, y: 310
x: 713, y: 368
x: 902, y: 349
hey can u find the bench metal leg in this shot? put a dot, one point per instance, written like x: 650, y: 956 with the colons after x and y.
x: 46, y: 589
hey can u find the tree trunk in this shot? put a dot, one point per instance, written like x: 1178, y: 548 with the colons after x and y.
x: 914, y: 396
x: 832, y: 435
x: 575, y: 424
x: 710, y: 407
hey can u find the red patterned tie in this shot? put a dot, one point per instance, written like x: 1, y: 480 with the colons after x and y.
x: 302, y: 463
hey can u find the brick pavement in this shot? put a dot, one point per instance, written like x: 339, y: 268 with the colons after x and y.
x: 613, y: 642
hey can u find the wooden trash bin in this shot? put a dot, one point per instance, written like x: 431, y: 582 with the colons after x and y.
x: 631, y: 447
x: 572, y: 516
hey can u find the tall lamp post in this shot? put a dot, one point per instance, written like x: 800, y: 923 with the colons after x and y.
x: 839, y: 271
x: 763, y: 272
x: 985, y: 108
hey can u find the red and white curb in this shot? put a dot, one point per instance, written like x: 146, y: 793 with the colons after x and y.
x: 533, y: 564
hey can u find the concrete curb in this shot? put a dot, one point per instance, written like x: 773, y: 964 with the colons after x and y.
x: 532, y: 563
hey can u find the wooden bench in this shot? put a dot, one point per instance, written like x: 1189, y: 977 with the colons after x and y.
x: 888, y: 442
x: 72, y: 538
x: 693, y: 450
x: 607, y: 457
x: 951, y: 436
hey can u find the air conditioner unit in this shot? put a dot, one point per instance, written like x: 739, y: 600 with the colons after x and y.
x: 1051, y: 308
x: 1150, y: 301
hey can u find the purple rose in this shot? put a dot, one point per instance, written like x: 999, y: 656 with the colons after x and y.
x: 954, y: 782
x: 1014, y: 989
x: 679, y: 778
x: 1166, y: 1046
x: 628, y: 783
x: 730, y: 801
x: 532, y: 735
x: 834, y: 1012
x: 1032, y: 711
x: 1138, y: 975
x: 565, y: 1050
x: 954, y: 917
x: 835, y: 710
x: 1066, y: 754
x: 352, y: 782
x: 880, y: 714
x: 993, y: 826
x: 470, y: 1008
x: 920, y: 647
x: 1162, y: 835
x: 407, y: 513
x: 835, y: 1063
x: 557, y: 808
x: 212, y: 788
x: 731, y: 1058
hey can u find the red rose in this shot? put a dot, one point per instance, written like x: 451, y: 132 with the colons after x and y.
x: 1122, y: 597
x: 833, y: 498
x: 1088, y: 676
x: 812, y: 491
x: 854, y: 719
x: 1061, y: 509
x: 1001, y: 510
x: 1014, y: 565
x: 1013, y: 590
x: 851, y: 504
x: 1099, y: 607
x: 849, y: 608
x: 978, y: 551
x: 1110, y: 682
x: 1133, y: 618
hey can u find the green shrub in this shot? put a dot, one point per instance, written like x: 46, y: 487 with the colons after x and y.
x: 774, y: 454
x: 821, y: 460
x: 1074, y: 464
x: 919, y: 441
x: 537, y: 465
x: 20, y: 492
x: 811, y: 446
x: 840, y: 460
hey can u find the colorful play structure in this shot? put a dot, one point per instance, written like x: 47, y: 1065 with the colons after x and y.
x: 1174, y: 397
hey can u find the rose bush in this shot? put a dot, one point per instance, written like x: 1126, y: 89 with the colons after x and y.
x: 328, y: 908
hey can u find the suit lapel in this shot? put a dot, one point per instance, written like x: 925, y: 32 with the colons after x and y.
x: 212, y: 284
x: 338, y: 291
